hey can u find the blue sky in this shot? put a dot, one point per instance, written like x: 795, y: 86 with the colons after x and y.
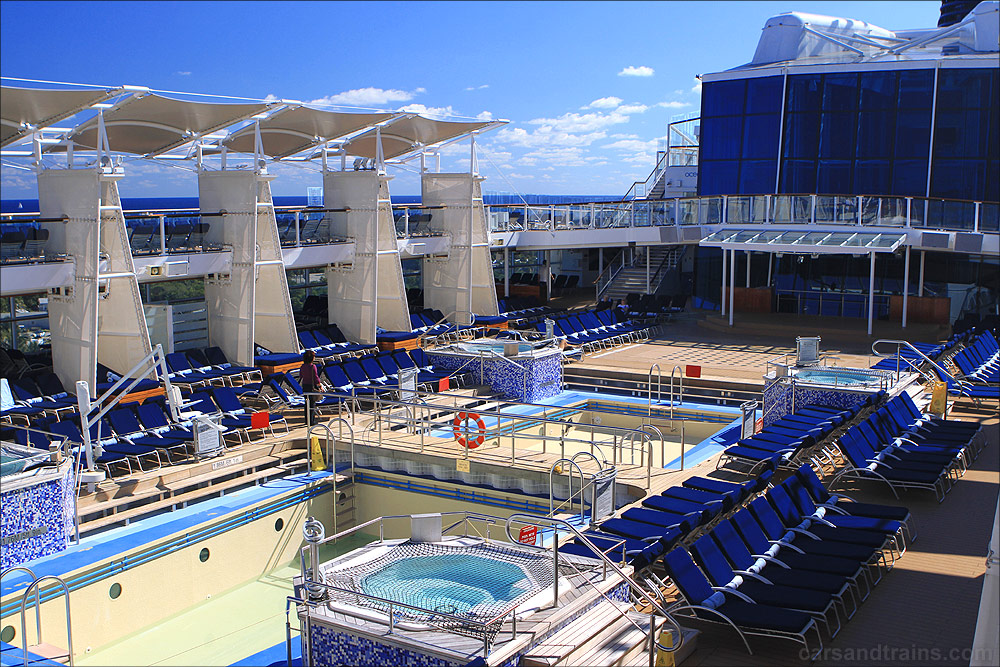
x: 588, y: 86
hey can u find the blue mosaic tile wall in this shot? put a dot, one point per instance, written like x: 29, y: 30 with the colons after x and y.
x: 330, y: 647
x: 778, y: 399
x: 544, y: 374
x: 36, y: 520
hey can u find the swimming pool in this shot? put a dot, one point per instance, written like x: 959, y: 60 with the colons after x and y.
x: 845, y: 377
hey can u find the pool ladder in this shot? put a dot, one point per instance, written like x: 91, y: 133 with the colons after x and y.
x: 35, y: 586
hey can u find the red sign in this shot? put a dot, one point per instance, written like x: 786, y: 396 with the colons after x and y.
x: 692, y: 371
x: 260, y: 419
x: 528, y: 535
x: 444, y: 384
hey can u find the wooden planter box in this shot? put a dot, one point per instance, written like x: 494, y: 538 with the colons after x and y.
x: 922, y: 309
x: 750, y: 299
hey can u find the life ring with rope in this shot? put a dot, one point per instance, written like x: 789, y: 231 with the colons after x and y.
x: 458, y: 429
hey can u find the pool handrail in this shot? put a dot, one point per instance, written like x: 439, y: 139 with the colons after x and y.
x: 38, y: 592
x: 659, y: 390
x: 642, y: 593
x: 24, y: 627
x: 901, y: 343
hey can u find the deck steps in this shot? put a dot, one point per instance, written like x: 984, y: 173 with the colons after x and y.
x: 604, y: 635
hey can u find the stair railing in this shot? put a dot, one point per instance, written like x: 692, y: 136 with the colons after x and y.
x: 609, y: 273
x: 640, y: 593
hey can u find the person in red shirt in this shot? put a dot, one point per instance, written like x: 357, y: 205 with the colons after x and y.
x: 309, y: 379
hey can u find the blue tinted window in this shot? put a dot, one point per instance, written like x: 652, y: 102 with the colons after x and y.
x: 722, y: 98
x: 875, y: 134
x: 963, y: 88
x: 960, y: 133
x: 958, y: 179
x: 840, y: 92
x: 916, y: 89
x: 798, y: 176
x: 760, y: 136
x: 878, y: 90
x: 913, y: 134
x: 909, y: 178
x: 872, y: 177
x: 718, y: 177
x: 801, y: 135
x: 721, y: 137
x: 836, y: 135
x: 757, y: 177
x: 834, y: 177
x: 804, y: 92
x: 764, y: 95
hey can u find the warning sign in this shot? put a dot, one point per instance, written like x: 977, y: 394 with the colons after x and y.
x: 528, y: 535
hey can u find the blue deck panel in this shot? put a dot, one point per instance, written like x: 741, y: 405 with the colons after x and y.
x: 13, y: 655
x: 276, y: 656
x: 105, y: 546
x: 710, y: 446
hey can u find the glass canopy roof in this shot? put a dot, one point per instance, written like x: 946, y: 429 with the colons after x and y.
x: 804, y: 241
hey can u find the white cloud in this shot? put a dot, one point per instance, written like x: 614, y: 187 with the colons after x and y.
x: 484, y: 115
x: 631, y: 108
x: 604, y: 103
x: 369, y: 96
x: 183, y: 73
x: 482, y: 87
x: 428, y: 111
x: 576, y: 122
x: 271, y: 97
x: 696, y: 88
x: 641, y: 70
x: 632, y: 144
x: 674, y: 105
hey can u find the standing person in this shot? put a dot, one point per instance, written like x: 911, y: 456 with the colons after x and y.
x: 309, y: 379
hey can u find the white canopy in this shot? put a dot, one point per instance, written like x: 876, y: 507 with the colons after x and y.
x: 151, y: 124
x: 409, y: 133
x: 24, y: 109
x: 295, y: 129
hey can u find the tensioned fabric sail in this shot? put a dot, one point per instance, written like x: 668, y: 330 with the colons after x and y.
x: 293, y: 130
x: 152, y: 124
x: 407, y: 134
x: 25, y: 108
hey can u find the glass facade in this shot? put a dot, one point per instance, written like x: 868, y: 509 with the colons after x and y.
x: 854, y: 133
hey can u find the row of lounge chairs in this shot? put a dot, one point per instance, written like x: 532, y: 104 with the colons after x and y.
x: 594, y: 330
x: 905, y: 449
x: 796, y: 561
x: 793, y: 437
x: 979, y: 362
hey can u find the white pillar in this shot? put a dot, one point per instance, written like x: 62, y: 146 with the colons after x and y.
x: 906, y: 283
x: 770, y: 267
x: 923, y: 258
x: 725, y: 257
x: 732, y: 284
x: 647, y: 270
x: 506, y: 271
x: 748, y: 267
x: 871, y: 294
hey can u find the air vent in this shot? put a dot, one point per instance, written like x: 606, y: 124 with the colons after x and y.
x: 692, y: 233
x: 934, y: 240
x: 968, y: 242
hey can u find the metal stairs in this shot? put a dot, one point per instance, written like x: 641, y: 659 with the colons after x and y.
x: 632, y: 278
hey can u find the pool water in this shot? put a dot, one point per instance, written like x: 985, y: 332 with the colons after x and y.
x: 840, y: 378
x: 452, y: 584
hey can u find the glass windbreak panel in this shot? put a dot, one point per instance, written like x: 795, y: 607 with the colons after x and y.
x: 710, y: 210
x: 989, y: 217
x: 739, y: 209
x: 722, y: 98
x: 688, y: 211
x: 950, y: 214
x: 781, y: 209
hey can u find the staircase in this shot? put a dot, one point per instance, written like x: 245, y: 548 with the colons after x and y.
x: 632, y: 278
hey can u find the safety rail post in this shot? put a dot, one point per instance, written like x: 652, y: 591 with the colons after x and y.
x: 680, y: 395
x: 649, y: 388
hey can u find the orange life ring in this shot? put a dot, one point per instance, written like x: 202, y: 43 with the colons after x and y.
x: 457, y: 428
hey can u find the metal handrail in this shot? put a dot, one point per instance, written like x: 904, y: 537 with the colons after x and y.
x: 640, y: 592
x: 680, y: 396
x: 899, y: 344
x: 609, y: 273
x: 38, y: 592
x: 569, y: 496
x: 24, y: 627
x: 659, y: 389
